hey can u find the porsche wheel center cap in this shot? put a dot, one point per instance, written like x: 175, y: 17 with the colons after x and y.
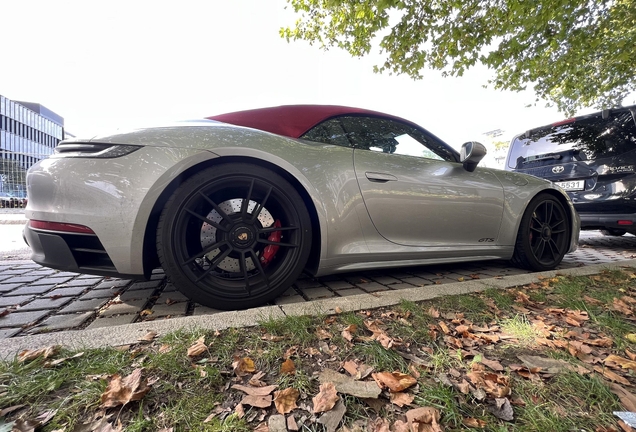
x: 546, y: 232
x: 242, y: 236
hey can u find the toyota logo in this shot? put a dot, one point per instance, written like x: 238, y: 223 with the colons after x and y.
x: 558, y: 169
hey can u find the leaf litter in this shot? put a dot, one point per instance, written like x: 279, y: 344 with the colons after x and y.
x: 477, y: 358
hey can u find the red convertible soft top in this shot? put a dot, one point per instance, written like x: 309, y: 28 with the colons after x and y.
x: 292, y: 120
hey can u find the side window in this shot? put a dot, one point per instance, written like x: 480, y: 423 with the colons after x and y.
x: 328, y: 132
x: 390, y: 136
x: 381, y: 135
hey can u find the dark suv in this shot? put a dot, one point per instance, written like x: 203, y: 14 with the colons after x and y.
x: 593, y: 158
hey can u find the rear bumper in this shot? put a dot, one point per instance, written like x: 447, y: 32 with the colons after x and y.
x: 80, y: 253
x: 591, y: 221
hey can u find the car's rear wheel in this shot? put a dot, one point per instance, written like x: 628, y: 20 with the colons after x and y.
x: 544, y: 235
x: 234, y: 236
x: 614, y: 232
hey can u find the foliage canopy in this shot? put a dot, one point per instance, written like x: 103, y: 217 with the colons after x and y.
x: 573, y: 53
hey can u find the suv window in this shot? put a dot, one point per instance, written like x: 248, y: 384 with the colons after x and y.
x: 381, y: 135
x: 586, y: 138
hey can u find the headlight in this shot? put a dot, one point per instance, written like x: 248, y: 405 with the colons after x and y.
x: 96, y: 150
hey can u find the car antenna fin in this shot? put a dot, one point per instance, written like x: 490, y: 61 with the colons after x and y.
x: 605, y: 114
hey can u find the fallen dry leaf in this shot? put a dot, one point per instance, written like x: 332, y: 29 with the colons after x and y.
x: 400, y: 426
x: 243, y: 366
x: 148, y: 337
x: 621, y: 306
x: 492, y: 364
x: 217, y: 410
x: 291, y: 423
x: 444, y: 327
x: 379, y: 334
x: 400, y: 399
x: 611, y: 375
x: 100, y: 425
x: 198, y: 348
x: 620, y: 361
x: 56, y: 362
x: 348, y: 332
x: 255, y: 381
x: 285, y: 400
x: 121, y: 391
x: 255, y: 391
x: 257, y: 401
x: 502, y: 409
x: 423, y: 419
x: 165, y: 348
x: 5, y: 411
x: 239, y: 410
x: 326, y: 399
x: 627, y: 398
x: 473, y: 422
x: 323, y: 334
x: 262, y: 427
x: 28, y: 355
x: 288, y: 367
x: 351, y: 367
x: 378, y: 425
x: 396, y: 381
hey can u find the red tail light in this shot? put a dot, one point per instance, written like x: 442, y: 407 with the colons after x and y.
x: 625, y: 222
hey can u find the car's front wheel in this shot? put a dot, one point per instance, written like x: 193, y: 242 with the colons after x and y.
x: 544, y: 234
x: 234, y: 236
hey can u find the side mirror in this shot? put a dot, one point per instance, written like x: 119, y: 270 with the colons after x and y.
x: 472, y: 152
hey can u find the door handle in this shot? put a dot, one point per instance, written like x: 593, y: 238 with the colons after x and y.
x: 380, y: 177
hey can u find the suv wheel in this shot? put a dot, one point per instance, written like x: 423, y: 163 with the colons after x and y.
x: 613, y: 232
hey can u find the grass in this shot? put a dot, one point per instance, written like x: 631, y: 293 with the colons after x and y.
x: 187, y: 390
x: 519, y: 327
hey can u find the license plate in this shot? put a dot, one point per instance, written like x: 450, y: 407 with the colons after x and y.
x: 571, y: 185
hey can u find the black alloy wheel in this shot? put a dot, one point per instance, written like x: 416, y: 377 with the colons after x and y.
x: 234, y: 236
x: 544, y: 235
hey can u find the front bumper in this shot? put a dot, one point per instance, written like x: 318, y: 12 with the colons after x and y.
x: 80, y: 253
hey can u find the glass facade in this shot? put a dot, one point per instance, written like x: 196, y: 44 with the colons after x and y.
x: 26, y: 137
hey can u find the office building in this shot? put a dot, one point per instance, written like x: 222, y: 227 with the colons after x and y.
x: 28, y: 132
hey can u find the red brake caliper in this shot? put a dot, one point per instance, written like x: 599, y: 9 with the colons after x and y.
x: 270, y: 250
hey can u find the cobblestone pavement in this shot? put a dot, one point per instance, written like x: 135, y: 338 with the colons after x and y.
x: 35, y: 299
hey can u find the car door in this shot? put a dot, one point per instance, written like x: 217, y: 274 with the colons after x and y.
x: 416, y: 193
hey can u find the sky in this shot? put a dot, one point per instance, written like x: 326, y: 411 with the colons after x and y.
x: 122, y: 64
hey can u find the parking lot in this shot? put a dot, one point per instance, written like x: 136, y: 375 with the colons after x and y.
x: 34, y: 299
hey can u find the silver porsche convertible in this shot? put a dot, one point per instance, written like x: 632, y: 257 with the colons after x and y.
x: 236, y: 206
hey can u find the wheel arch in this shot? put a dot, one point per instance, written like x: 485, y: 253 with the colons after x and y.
x: 150, y: 257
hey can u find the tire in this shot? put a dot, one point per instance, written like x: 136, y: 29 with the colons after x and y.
x: 544, y: 235
x: 217, y: 237
x: 614, y: 232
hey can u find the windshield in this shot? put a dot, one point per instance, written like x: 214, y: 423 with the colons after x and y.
x: 587, y: 138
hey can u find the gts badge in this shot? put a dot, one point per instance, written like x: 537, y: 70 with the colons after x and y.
x: 486, y: 240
